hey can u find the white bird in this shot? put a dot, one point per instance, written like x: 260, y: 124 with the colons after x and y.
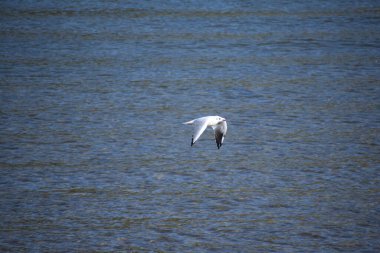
x: 217, y: 123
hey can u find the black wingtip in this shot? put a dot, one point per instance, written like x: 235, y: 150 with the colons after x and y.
x: 192, y: 141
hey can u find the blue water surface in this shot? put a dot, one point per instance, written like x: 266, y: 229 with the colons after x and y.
x: 94, y: 158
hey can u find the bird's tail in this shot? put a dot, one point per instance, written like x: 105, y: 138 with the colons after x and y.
x: 189, y: 122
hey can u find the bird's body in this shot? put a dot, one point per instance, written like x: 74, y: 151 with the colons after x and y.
x: 218, y: 124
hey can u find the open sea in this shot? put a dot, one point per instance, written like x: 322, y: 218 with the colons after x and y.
x: 94, y: 156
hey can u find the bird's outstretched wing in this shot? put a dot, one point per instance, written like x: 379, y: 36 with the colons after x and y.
x: 200, y: 127
x: 220, y: 131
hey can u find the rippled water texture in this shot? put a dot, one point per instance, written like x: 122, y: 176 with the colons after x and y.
x: 94, y: 157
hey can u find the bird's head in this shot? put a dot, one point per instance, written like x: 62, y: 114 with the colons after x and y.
x: 220, y: 119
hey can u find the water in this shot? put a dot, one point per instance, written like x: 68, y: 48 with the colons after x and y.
x: 94, y: 157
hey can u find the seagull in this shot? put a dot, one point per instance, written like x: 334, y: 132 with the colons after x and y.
x: 218, y: 124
